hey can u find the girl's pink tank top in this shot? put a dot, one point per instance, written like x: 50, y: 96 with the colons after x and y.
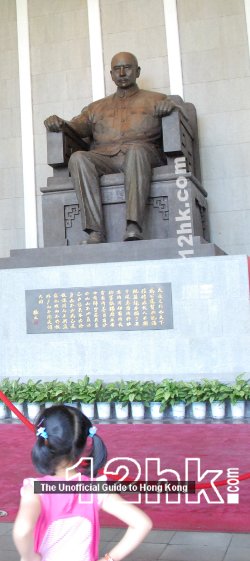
x: 68, y: 526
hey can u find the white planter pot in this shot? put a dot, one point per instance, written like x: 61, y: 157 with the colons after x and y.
x: 238, y: 409
x: 49, y: 404
x: 155, y: 412
x: 88, y: 409
x: 33, y: 410
x: 199, y: 410
x: 19, y: 406
x: 2, y: 410
x: 137, y: 410
x: 121, y: 411
x: 178, y: 410
x: 103, y: 410
x: 218, y: 409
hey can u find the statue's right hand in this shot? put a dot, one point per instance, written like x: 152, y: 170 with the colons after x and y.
x: 54, y: 123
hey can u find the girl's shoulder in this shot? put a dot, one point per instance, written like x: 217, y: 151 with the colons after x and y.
x: 27, y: 491
x: 27, y: 486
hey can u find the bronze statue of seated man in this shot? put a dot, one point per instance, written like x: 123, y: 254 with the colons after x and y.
x: 125, y: 134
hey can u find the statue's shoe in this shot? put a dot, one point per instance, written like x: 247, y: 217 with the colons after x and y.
x: 132, y: 234
x: 94, y: 237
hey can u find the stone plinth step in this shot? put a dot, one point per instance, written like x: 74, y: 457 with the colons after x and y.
x: 105, y: 253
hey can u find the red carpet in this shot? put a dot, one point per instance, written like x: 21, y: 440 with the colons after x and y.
x: 217, y: 446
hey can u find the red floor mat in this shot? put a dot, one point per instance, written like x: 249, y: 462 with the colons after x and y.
x: 218, y: 446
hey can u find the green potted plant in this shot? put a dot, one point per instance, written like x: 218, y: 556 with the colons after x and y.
x: 16, y: 392
x: 148, y: 393
x: 153, y: 402
x: 70, y: 392
x: 239, y: 392
x: 197, y: 394
x: 49, y: 392
x: 119, y: 396
x: 4, y: 387
x: 57, y: 392
x: 34, y: 395
x: 178, y: 399
x: 174, y: 393
x: 137, y: 394
x: 85, y: 392
x: 157, y: 402
x: 103, y: 403
x: 218, y: 393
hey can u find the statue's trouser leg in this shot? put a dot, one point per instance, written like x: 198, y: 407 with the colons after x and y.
x: 85, y: 169
x: 137, y: 168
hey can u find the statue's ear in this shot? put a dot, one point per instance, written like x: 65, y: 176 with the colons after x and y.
x: 138, y: 72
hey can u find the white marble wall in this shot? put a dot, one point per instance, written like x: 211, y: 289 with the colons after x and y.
x: 216, y: 73
x: 136, y: 26
x: 60, y: 69
x: 11, y: 184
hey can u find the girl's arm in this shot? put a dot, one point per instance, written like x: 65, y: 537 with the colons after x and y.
x: 23, y: 531
x: 139, y: 525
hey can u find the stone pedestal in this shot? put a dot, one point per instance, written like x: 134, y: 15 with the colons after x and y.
x: 210, y: 300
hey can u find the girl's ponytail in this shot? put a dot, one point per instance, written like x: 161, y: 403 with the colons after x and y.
x: 98, y: 453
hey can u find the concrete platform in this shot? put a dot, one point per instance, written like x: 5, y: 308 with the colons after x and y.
x: 106, y: 253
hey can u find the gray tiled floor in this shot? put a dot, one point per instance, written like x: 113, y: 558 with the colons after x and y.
x: 160, y: 545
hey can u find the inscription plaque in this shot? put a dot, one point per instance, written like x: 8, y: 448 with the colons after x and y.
x: 100, y: 308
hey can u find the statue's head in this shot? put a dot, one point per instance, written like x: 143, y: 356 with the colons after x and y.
x: 124, y: 70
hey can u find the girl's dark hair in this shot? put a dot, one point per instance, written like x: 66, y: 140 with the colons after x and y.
x: 67, y: 431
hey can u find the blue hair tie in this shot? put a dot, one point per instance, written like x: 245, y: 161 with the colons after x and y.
x: 92, y: 431
x: 42, y: 432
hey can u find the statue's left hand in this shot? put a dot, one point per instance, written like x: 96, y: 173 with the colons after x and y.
x: 164, y: 107
x: 54, y: 123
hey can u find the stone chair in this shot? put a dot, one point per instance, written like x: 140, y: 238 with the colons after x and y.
x: 167, y: 214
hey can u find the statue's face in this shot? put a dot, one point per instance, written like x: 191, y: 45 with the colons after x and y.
x: 124, y: 70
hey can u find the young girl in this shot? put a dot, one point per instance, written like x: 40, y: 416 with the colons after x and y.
x: 60, y: 527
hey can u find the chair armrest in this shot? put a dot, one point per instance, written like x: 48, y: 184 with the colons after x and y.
x: 60, y: 146
x: 174, y: 129
x: 180, y: 136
